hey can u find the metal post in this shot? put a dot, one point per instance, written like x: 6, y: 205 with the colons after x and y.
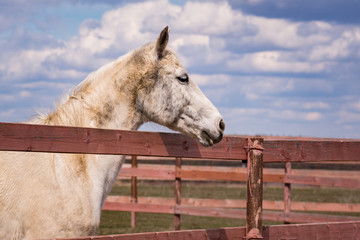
x: 254, y: 188
x: 134, y: 198
x: 287, y: 193
x: 177, y: 217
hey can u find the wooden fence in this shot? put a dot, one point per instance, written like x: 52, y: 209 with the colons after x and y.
x: 24, y: 137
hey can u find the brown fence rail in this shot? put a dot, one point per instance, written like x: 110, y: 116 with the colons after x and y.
x: 348, y: 230
x: 40, y: 138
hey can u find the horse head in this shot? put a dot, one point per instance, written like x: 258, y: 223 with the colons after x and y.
x: 169, y: 97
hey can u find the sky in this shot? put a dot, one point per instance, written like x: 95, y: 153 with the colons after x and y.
x: 274, y: 67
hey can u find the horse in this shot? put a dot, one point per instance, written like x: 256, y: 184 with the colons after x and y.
x: 47, y: 195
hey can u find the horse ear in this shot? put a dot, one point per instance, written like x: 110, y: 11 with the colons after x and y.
x: 162, y: 41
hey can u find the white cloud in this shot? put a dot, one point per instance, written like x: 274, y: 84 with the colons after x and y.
x: 213, y: 80
x: 276, y: 31
x: 357, y: 105
x: 25, y: 94
x: 274, y: 85
x: 34, y: 63
x: 284, y: 34
x: 267, y: 85
x: 15, y: 96
x: 263, y: 84
x: 191, y: 39
x: 342, y: 47
x: 209, y: 18
x: 316, y: 105
x: 264, y: 113
x: 273, y: 61
x: 299, y: 104
x: 312, y: 116
x: 254, y: 2
x: 7, y: 97
x: 348, y: 117
x: 125, y: 28
x: 44, y: 85
x: 5, y: 114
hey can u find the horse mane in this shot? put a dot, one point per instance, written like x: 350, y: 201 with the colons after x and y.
x: 69, y: 110
x: 73, y: 108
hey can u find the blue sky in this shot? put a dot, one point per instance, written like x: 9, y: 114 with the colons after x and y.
x: 275, y: 67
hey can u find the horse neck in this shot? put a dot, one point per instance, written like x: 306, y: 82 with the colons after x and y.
x: 101, y: 102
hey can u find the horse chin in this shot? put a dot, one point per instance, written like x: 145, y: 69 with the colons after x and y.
x: 207, y: 140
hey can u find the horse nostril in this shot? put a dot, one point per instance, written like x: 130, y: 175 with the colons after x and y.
x: 222, y: 125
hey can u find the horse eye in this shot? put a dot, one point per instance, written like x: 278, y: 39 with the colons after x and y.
x: 184, y: 78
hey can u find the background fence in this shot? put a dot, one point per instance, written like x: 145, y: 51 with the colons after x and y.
x: 157, y: 169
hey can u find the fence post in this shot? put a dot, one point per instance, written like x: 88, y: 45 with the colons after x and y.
x: 177, y: 217
x: 287, y: 193
x: 254, y: 188
x: 134, y: 198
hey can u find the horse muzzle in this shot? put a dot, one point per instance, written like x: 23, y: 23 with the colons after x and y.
x: 209, y: 138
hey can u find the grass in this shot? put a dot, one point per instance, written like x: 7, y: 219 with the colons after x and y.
x: 119, y: 222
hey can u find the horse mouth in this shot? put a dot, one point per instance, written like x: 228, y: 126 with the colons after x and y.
x: 207, y: 140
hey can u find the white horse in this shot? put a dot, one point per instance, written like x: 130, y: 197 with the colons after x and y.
x: 45, y: 195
